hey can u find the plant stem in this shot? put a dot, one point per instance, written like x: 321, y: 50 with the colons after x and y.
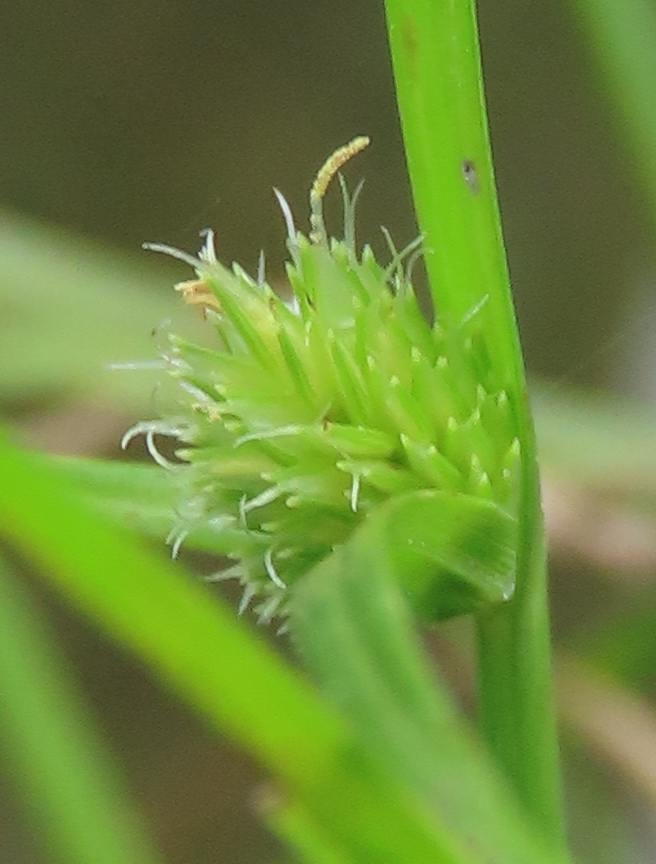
x: 515, y: 686
x: 435, y: 53
x: 434, y: 45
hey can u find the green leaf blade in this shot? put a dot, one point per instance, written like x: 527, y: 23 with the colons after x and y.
x: 70, y: 783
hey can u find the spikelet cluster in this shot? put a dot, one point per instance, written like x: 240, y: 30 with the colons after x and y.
x: 307, y: 415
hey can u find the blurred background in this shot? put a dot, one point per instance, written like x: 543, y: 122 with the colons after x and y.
x: 151, y: 120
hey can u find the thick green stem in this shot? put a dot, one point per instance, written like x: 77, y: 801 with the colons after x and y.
x: 437, y: 72
x: 438, y: 77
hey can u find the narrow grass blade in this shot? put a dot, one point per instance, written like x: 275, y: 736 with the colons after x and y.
x: 70, y: 785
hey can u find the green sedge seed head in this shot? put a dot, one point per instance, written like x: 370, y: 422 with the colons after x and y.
x: 307, y: 415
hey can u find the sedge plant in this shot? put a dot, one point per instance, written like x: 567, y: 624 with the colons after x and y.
x: 363, y: 469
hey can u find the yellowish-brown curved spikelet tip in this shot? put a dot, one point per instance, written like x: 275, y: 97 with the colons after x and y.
x: 332, y: 165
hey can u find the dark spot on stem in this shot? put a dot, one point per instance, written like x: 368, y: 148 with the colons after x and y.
x: 469, y: 175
